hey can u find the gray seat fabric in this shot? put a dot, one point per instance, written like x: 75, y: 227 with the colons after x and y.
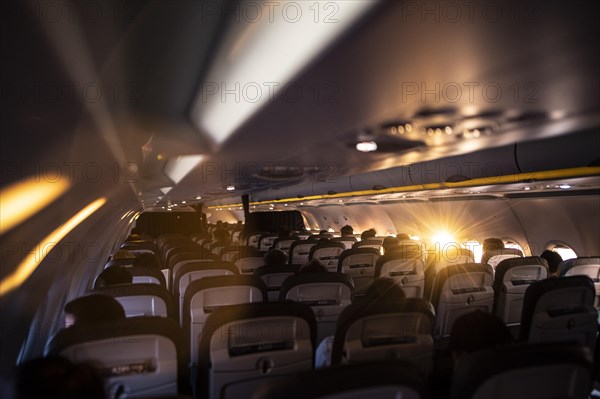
x: 560, y: 309
x: 532, y: 371
x: 511, y: 280
x: 461, y: 289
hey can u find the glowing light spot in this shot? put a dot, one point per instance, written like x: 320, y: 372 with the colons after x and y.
x: 20, y: 201
x: 35, y: 257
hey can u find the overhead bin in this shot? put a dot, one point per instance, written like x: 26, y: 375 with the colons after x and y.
x: 571, y: 151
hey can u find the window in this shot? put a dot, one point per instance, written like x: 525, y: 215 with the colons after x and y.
x: 563, y: 250
x: 475, y: 247
x: 510, y: 243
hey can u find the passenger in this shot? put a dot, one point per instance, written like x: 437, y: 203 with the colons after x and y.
x: 346, y: 231
x: 389, y: 242
x: 402, y: 236
x: 371, y: 233
x: 475, y: 331
x: 492, y: 244
x: 113, y: 275
x: 313, y: 266
x: 222, y: 237
x: 146, y: 260
x: 384, y: 289
x: 91, y: 309
x: 553, y: 259
x: 275, y: 257
x: 56, y: 377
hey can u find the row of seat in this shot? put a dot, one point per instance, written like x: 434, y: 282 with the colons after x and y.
x: 242, y: 344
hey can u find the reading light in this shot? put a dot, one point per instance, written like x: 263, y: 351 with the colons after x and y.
x: 565, y: 186
x: 230, y: 188
x: 366, y: 146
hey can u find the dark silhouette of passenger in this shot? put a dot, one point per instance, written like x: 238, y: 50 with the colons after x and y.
x: 371, y: 233
x: 91, y: 309
x: 56, y: 377
x: 553, y: 259
x: 113, y: 275
x: 389, y: 242
x: 475, y: 331
x: 312, y: 266
x: 275, y: 257
x: 346, y: 231
x: 402, y: 236
x: 492, y: 244
x: 384, y: 289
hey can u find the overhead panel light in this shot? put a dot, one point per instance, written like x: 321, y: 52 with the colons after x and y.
x: 366, y: 146
x: 259, y: 57
x: 230, y: 188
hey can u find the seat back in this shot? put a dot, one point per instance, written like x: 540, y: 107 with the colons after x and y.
x: 147, y: 275
x: 326, y: 293
x: 266, y: 241
x: 253, y: 240
x: 511, y: 280
x: 536, y: 371
x: 273, y: 277
x: 495, y: 256
x: 407, y: 272
x: 461, y: 289
x: 589, y: 266
x: 139, y: 356
x: 299, y: 251
x: 369, y: 243
x: 454, y: 256
x: 385, y: 330
x: 197, y: 271
x: 244, y: 343
x: 359, y: 264
x: 327, y: 253
x: 283, y: 244
x: 249, y: 259
x: 381, y: 380
x: 560, y: 309
x: 141, y: 299
x: 348, y: 241
x: 208, y: 294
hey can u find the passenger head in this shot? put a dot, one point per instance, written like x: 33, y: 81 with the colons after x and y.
x: 91, y: 309
x: 553, y: 259
x: 113, y: 275
x: 284, y: 232
x: 221, y: 235
x: 368, y: 234
x: 402, y: 236
x: 56, y: 377
x: 475, y: 331
x: 275, y: 257
x: 384, y: 289
x: 347, y: 230
x: 492, y: 244
x: 389, y: 242
x: 146, y: 260
x: 312, y: 266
